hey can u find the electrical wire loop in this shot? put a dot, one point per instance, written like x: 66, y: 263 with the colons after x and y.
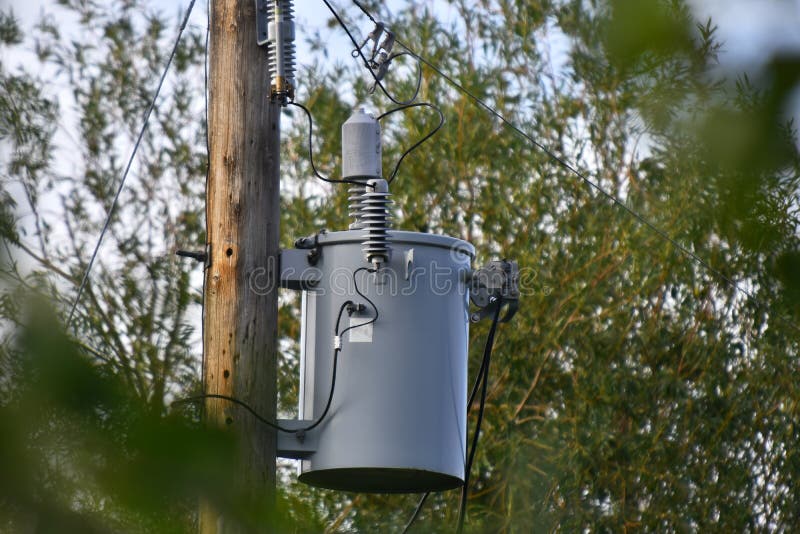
x: 348, y: 306
x: 416, y: 145
x: 311, y: 151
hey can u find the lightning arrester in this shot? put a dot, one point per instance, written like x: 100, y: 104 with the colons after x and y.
x: 280, y: 45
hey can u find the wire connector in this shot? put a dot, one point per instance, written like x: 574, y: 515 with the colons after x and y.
x: 496, y: 282
x: 337, y: 342
x: 381, y: 55
x: 356, y: 308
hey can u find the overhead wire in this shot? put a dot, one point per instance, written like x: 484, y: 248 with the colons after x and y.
x: 366, y: 62
x: 402, y: 105
x: 121, y: 186
x: 582, y: 176
x: 483, y: 371
x: 418, y: 143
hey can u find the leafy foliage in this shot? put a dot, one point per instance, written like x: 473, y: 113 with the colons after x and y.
x: 635, y: 389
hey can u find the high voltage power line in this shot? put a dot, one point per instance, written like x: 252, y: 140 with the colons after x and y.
x: 121, y: 186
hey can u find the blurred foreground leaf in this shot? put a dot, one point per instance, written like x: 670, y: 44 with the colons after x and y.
x: 81, y: 454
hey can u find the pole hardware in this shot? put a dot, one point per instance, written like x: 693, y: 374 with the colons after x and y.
x: 311, y: 243
x: 496, y: 283
x: 275, y: 29
x: 381, y: 55
x: 296, y: 445
x: 262, y: 22
x: 197, y: 256
x: 296, y: 270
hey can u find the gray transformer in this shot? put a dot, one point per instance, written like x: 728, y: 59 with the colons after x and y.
x: 397, y: 420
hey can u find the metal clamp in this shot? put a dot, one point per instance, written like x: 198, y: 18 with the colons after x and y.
x: 262, y: 22
x: 298, y: 444
x: 311, y: 243
x: 495, y: 284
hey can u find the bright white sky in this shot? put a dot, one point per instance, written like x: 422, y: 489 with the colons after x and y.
x: 751, y: 29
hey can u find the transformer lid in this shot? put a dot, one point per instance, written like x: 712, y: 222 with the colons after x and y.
x: 402, y: 237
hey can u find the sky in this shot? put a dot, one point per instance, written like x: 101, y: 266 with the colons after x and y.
x: 749, y: 28
x: 750, y: 32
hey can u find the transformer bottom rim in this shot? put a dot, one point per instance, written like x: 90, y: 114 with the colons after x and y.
x: 380, y: 480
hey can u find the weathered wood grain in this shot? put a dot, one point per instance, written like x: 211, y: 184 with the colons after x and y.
x: 242, y: 211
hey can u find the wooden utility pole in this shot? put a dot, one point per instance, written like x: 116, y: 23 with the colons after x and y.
x: 242, y: 210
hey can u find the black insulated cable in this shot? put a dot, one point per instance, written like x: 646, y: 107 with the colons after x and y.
x: 363, y: 296
x: 346, y: 306
x: 418, y: 143
x: 487, y: 357
x: 311, y: 152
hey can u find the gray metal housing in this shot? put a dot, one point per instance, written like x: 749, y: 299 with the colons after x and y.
x: 397, y: 422
x: 361, y: 146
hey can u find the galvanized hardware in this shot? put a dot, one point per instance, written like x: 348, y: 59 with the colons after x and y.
x: 262, y: 22
x: 197, y: 256
x: 409, y: 264
x: 297, y: 445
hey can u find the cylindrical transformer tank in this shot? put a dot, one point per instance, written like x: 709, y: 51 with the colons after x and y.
x: 397, y: 422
